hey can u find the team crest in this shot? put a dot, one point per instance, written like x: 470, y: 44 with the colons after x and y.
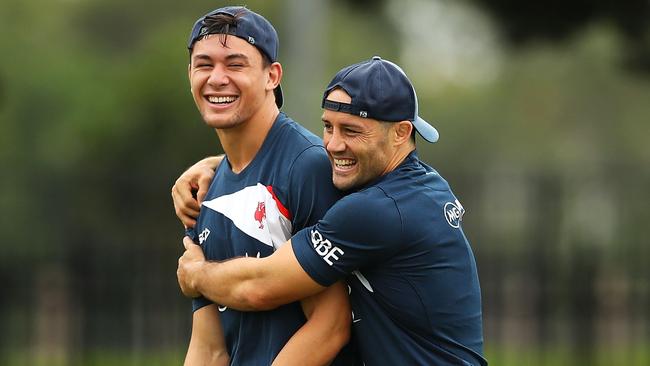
x: 260, y: 214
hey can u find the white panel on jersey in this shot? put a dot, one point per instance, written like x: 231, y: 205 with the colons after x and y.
x: 254, y: 211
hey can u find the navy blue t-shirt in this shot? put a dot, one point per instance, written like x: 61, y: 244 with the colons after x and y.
x: 414, y: 285
x: 287, y: 187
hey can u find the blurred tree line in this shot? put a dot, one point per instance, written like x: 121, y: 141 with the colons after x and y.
x: 549, y: 156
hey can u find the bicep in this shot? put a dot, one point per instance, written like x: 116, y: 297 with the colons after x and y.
x: 332, y: 303
x: 311, y: 191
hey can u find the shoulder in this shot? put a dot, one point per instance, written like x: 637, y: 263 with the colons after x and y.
x: 311, y: 157
x: 425, y: 196
x: 301, y: 135
x: 297, y: 145
x: 369, y: 208
x: 371, y: 197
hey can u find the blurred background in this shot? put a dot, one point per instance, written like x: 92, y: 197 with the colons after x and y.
x: 543, y: 110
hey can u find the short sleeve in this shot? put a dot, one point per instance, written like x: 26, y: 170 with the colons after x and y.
x: 311, y: 191
x: 199, y: 302
x: 360, y: 229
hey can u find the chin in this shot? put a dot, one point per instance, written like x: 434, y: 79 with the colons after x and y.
x: 343, y: 184
x: 220, y: 123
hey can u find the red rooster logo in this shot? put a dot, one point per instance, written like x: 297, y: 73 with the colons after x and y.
x: 260, y: 213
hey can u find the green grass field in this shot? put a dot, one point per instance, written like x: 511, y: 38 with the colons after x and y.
x: 563, y: 356
x: 97, y: 358
x: 501, y: 356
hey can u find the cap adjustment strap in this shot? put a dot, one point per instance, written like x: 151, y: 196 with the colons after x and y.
x: 344, y: 107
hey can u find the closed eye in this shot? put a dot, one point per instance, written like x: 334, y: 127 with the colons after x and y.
x: 237, y: 60
x: 201, y: 60
x: 350, y: 131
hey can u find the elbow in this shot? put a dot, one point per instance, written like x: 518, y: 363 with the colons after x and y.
x: 335, y: 339
x: 218, y: 358
x: 341, y: 333
x: 335, y: 335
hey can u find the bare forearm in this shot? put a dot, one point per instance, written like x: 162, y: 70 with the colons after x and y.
x: 326, y: 331
x: 197, y: 355
x: 211, y: 161
x: 207, y: 345
x: 245, y: 284
x: 236, y: 283
x: 305, y: 348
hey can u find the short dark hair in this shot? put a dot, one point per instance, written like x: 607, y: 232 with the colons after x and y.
x: 223, y: 25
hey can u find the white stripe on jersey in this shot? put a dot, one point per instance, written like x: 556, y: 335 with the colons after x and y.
x: 255, y: 212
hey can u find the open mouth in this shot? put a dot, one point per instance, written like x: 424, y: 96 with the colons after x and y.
x: 222, y: 100
x: 344, y: 164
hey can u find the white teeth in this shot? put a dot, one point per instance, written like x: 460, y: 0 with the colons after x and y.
x: 214, y: 99
x: 343, y: 162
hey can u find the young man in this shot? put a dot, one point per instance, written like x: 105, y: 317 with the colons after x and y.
x: 273, y: 181
x: 396, y: 237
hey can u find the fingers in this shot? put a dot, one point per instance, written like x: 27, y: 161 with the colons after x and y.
x: 196, y: 179
x: 186, y: 217
x: 183, y: 196
x: 185, y: 206
x: 188, y: 265
x: 188, y: 223
x: 183, y: 280
x: 187, y: 242
x: 204, y: 184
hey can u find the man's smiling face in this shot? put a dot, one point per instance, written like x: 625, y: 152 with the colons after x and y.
x: 228, y: 81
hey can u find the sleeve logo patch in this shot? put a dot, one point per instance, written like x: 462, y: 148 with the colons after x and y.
x: 324, y: 248
x: 204, y: 235
x: 454, y: 212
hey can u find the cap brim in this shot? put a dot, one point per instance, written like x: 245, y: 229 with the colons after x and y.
x: 279, y: 98
x: 425, y: 130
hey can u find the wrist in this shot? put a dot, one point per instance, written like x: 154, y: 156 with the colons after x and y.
x: 211, y: 162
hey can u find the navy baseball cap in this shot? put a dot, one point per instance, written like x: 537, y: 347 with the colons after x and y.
x: 251, y: 27
x: 379, y: 90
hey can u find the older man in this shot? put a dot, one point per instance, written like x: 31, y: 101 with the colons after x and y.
x: 396, y: 237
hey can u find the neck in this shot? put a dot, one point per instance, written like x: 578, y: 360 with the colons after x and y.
x: 398, y: 157
x: 243, y: 142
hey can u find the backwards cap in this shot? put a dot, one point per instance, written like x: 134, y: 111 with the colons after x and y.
x: 251, y: 27
x: 379, y: 90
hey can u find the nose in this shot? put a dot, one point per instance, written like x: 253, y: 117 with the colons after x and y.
x: 218, y: 77
x: 334, y: 142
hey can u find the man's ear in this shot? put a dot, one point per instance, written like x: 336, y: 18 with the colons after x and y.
x: 402, y: 132
x: 189, y: 76
x: 275, y: 76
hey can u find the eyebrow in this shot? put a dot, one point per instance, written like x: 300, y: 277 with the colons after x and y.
x: 230, y: 57
x: 237, y: 56
x: 200, y: 57
x: 345, y: 124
